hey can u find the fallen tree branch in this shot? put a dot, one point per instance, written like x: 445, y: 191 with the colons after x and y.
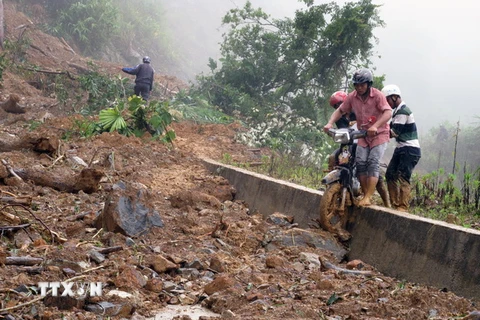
x: 87, y: 180
x: 110, y: 249
x: 78, y: 216
x: 23, y: 261
x: 11, y: 217
x: 53, y: 235
x: 67, y: 73
x: 39, y: 49
x: 14, y: 228
x: 14, y: 200
x: 9, y: 168
x: 68, y: 46
x: 32, y: 270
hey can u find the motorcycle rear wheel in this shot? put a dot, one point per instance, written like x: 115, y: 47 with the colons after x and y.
x: 333, y: 217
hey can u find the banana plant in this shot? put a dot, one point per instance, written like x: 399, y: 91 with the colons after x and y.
x: 136, y: 117
x: 112, y: 119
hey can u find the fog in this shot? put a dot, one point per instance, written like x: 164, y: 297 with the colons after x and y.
x: 429, y: 49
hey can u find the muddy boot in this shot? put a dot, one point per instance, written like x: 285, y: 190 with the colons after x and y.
x: 383, y: 192
x: 394, y: 193
x: 404, y: 196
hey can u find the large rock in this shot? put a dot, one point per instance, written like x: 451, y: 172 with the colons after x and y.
x: 128, y: 211
x: 276, y: 238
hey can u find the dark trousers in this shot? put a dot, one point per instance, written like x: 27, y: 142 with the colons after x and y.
x: 402, y: 164
x: 142, y: 90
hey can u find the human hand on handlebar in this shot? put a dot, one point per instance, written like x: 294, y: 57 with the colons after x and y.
x: 372, y: 131
x: 327, y: 127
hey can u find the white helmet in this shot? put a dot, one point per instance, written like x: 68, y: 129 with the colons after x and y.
x: 391, y: 89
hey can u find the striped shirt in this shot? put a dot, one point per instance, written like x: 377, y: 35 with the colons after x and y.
x: 403, y: 127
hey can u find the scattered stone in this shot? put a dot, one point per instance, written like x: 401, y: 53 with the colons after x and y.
x: 216, y: 264
x: 96, y: 256
x: 174, y: 300
x: 355, y: 264
x: 69, y: 272
x: 311, y: 259
x: 277, y: 238
x: 22, y: 240
x: 219, y: 187
x: 160, y: 264
x: 254, y: 296
x: 275, y: 262
x: 120, y: 294
x: 106, y: 308
x: 298, y: 266
x: 189, y: 272
x: 129, y: 242
x: 169, y: 286
x: 76, y: 229
x: 154, y: 285
x: 194, y: 199
x: 187, y: 299
x: 220, y: 283
x: 39, y: 242
x: 279, y: 219
x: 129, y: 277
x: 196, y: 264
x: 325, y: 284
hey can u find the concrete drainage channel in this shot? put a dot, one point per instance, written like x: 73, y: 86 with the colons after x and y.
x: 397, y: 244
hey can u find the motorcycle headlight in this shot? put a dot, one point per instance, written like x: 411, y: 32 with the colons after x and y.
x: 341, y: 137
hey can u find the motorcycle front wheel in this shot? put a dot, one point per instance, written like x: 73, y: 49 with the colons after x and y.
x: 333, y: 214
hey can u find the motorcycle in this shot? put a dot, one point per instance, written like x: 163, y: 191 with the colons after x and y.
x: 342, y: 183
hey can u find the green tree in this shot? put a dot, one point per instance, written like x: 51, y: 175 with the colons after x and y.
x: 90, y: 23
x: 272, y: 65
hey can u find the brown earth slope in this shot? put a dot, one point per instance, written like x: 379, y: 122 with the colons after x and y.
x: 211, y: 250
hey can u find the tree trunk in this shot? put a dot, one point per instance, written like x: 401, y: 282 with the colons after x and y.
x: 87, y: 180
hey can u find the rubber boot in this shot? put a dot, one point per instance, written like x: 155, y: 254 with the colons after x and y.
x: 393, y: 191
x: 404, y: 196
x: 383, y: 192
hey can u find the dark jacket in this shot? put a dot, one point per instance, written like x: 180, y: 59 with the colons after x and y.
x: 144, y: 74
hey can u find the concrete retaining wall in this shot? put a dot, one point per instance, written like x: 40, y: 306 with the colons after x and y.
x: 400, y: 245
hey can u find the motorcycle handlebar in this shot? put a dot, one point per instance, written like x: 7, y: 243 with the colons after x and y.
x: 359, y: 134
x: 331, y: 132
x: 355, y: 134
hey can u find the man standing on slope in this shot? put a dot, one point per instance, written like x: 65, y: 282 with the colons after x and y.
x: 144, y: 78
x: 407, y: 152
x: 373, y: 113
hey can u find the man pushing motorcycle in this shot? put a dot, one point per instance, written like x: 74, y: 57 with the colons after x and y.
x: 372, y: 112
x: 347, y: 121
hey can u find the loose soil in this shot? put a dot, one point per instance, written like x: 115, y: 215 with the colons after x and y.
x: 205, y: 227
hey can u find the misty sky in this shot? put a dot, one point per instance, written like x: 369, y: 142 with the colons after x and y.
x: 428, y: 48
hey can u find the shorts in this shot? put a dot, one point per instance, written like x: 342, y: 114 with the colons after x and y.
x: 368, y: 160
